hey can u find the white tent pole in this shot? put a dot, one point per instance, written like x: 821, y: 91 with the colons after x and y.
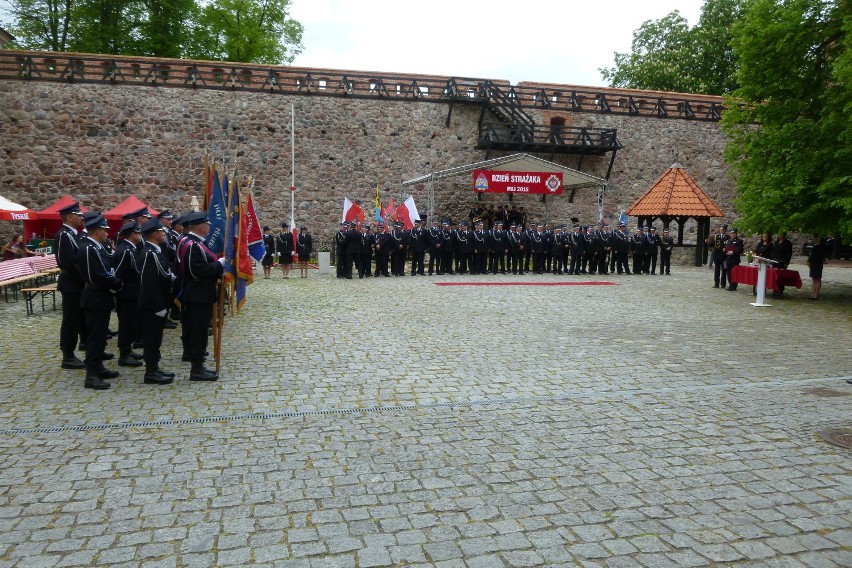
x: 292, y: 167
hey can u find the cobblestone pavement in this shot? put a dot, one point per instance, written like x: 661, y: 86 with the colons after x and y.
x: 393, y: 422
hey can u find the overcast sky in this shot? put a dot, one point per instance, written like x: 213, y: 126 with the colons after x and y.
x: 551, y: 41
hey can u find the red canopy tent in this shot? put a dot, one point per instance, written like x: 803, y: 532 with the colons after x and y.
x: 129, y: 205
x: 49, y: 220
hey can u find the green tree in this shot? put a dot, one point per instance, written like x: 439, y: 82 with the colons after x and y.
x: 668, y: 55
x: 252, y: 31
x: 41, y: 24
x: 258, y: 31
x: 789, y: 121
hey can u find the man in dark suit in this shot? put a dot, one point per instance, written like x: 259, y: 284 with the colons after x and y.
x: 201, y: 272
x: 97, y: 299
x: 435, y: 239
x: 127, y: 300
x: 733, y: 252
x: 383, y: 250
x: 418, y: 243
x: 340, y: 248
x: 70, y: 286
x: 155, y: 299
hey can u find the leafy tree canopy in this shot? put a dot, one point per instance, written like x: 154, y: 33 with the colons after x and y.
x: 789, y: 121
x: 251, y: 31
x: 668, y: 55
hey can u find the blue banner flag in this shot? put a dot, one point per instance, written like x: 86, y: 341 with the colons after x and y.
x: 217, y: 215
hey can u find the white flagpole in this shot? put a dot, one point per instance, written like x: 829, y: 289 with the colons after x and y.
x: 292, y: 168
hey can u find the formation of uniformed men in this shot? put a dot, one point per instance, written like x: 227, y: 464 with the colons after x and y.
x: 477, y: 250
x: 140, y: 277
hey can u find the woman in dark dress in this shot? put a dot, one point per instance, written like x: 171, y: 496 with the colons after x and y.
x: 815, y: 261
x: 269, y: 257
x: 284, y: 242
x: 304, y: 247
x: 763, y: 249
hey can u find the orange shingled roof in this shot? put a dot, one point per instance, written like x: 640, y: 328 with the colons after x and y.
x: 675, y: 194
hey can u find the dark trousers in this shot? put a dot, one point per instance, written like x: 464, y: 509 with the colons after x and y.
x: 196, y: 323
x: 398, y: 262
x: 728, y: 268
x: 381, y: 264
x: 447, y: 262
x: 517, y: 262
x: 538, y: 262
x: 365, y: 263
x: 498, y: 262
x: 417, y: 258
x: 73, y: 326
x: 477, y: 262
x: 352, y: 257
x: 603, y: 261
x: 638, y: 263
x: 665, y: 262
x: 720, y: 275
x: 590, y: 262
x: 462, y: 259
x: 152, y: 337
x: 548, y: 261
x: 435, y: 261
x: 576, y: 263
x: 129, y: 324
x: 341, y: 263
x: 621, y: 264
x: 651, y: 263
x: 97, y: 322
x: 527, y: 259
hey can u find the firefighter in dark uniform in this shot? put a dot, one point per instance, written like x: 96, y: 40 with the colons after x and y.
x: 365, y: 260
x: 464, y: 247
x: 126, y: 265
x: 340, y: 248
x: 576, y: 249
x: 479, y: 255
x: 383, y: 248
x: 399, y: 249
x: 201, y: 272
x: 70, y: 286
x: 353, y: 250
x: 557, y: 251
x: 548, y: 247
x: 97, y: 299
x: 637, y: 249
x: 621, y: 249
x: 734, y: 247
x: 590, y: 251
x: 717, y: 250
x: 538, y: 243
x: 518, y: 245
x: 448, y: 248
x: 170, y: 251
x: 666, y: 246
x: 498, y: 247
x: 653, y: 240
x: 155, y: 299
x: 530, y: 232
x: 418, y: 243
x: 604, y: 248
x: 435, y: 239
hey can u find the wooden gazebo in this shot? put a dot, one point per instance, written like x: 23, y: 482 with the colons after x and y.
x: 676, y: 196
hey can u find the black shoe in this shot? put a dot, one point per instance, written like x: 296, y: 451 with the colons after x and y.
x: 107, y: 356
x: 157, y: 378
x: 200, y: 373
x: 186, y: 358
x: 715, y: 285
x: 72, y: 363
x: 105, y: 374
x: 128, y: 361
x: 137, y: 356
x: 96, y: 383
x: 732, y: 289
x: 167, y: 374
x: 169, y: 324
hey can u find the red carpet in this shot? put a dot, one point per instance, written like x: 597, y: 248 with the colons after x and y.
x: 603, y: 283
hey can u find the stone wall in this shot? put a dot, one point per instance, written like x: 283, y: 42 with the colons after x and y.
x: 100, y: 143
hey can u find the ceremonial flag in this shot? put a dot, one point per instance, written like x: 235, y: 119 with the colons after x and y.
x: 352, y: 212
x: 253, y: 234
x: 245, y: 272
x: 622, y: 218
x: 217, y: 215
x: 390, y: 210
x: 208, y: 178
x: 407, y: 213
x: 380, y: 215
x: 231, y: 232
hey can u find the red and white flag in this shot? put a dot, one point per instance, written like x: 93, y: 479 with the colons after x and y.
x: 352, y: 212
x: 407, y: 213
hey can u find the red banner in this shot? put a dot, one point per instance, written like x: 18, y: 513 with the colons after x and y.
x: 494, y: 181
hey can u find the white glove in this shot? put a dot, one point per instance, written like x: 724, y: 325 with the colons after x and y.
x: 172, y: 274
x: 222, y: 261
x: 161, y: 313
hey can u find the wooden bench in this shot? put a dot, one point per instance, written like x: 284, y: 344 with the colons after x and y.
x: 30, y: 271
x: 31, y: 293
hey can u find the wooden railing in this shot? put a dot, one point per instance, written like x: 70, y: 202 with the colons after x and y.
x: 188, y: 74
